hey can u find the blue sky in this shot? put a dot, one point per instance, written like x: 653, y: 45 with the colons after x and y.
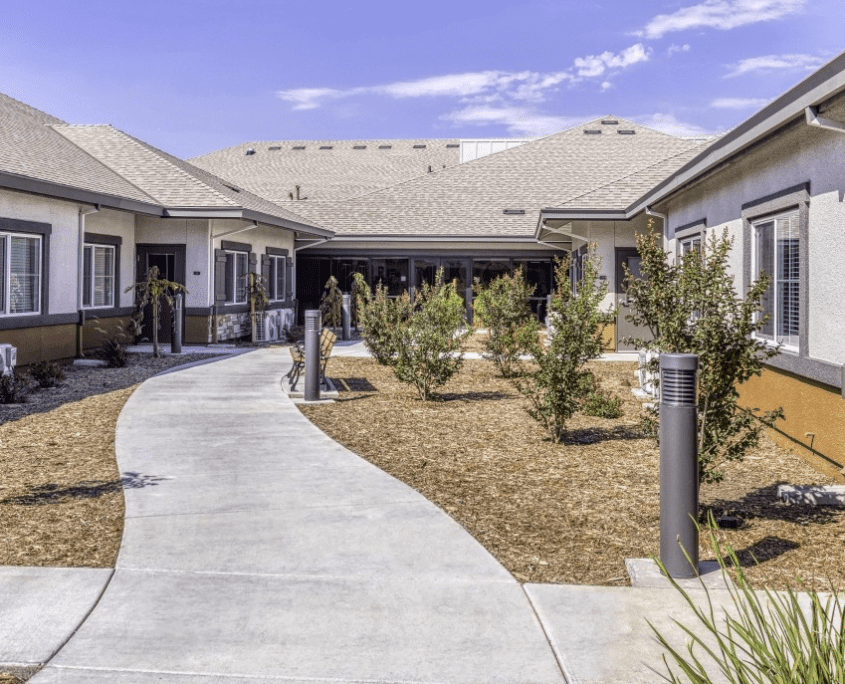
x: 193, y: 76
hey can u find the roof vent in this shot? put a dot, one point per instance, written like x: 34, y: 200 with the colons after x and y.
x: 249, y: 151
x: 385, y: 147
x: 448, y: 145
x: 626, y: 131
x: 275, y: 148
x: 326, y: 147
x: 419, y: 147
x: 609, y: 122
x: 515, y: 212
x: 592, y: 131
x: 359, y: 147
x: 298, y: 147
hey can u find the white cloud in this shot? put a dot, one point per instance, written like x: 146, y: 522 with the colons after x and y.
x: 769, y: 63
x: 606, y: 85
x: 595, y: 65
x: 668, y: 123
x: 310, y: 98
x: 738, y: 103
x: 673, y: 48
x: 720, y: 14
x: 519, y: 121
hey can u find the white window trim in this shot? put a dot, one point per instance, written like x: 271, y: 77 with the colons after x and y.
x: 93, y: 276
x: 277, y: 262
x: 235, y: 302
x: 755, y: 269
x: 6, y: 304
x: 690, y: 241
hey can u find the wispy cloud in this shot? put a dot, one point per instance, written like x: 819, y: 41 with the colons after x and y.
x: 720, y: 14
x: 668, y: 123
x: 673, y: 48
x: 593, y: 66
x: 519, y: 121
x: 771, y: 63
x: 738, y: 103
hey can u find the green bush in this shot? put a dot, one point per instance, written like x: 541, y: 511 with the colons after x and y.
x: 587, y: 384
x: 47, y: 374
x: 331, y: 304
x: 379, y: 318
x: 113, y: 352
x: 14, y: 388
x: 601, y: 404
x: 691, y: 306
x: 505, y: 308
x: 773, y: 638
x: 555, y: 389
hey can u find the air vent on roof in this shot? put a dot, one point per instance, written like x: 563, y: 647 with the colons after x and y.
x: 359, y: 147
x: 452, y: 145
x: 626, y: 131
x: 385, y: 147
x: 419, y: 147
x: 517, y: 212
x: 609, y: 122
x: 275, y: 148
x: 592, y: 131
x: 249, y: 151
x: 298, y: 147
x: 326, y: 147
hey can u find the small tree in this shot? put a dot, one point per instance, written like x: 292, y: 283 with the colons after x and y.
x: 257, y: 298
x: 556, y: 388
x: 379, y: 318
x: 331, y: 304
x: 690, y: 306
x: 152, y: 290
x: 505, y: 308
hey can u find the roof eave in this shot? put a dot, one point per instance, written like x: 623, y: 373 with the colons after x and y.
x: 374, y: 237
x: 248, y: 214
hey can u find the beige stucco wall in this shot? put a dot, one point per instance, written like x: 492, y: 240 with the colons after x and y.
x: 120, y: 224
x: 63, y: 217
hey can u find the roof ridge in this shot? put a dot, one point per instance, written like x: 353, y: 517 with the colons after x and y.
x: 30, y: 108
x: 56, y: 129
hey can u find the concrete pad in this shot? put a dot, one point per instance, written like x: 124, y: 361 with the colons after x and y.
x: 645, y: 572
x: 815, y: 495
x: 41, y: 607
x: 340, y: 629
x: 601, y: 636
x: 67, y: 675
x: 411, y: 540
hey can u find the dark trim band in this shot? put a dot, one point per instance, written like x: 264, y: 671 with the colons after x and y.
x: 99, y: 239
x: 235, y: 246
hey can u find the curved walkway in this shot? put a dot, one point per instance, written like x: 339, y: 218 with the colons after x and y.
x: 257, y: 548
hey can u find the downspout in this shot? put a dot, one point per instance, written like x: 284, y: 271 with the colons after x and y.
x: 80, y: 274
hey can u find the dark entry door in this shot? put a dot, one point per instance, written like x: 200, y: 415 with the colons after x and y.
x: 624, y: 328
x: 170, y: 260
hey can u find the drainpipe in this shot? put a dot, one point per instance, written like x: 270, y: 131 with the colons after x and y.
x: 80, y: 273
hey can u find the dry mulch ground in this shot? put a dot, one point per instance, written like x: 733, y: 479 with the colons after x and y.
x: 570, y: 512
x: 61, y: 498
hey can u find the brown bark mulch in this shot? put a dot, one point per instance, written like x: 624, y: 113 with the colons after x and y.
x: 61, y: 495
x: 570, y: 512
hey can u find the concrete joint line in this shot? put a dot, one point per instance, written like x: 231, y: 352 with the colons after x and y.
x: 559, y: 659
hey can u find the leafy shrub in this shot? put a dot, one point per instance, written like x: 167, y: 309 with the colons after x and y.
x: 505, y: 307
x: 113, y: 352
x: 47, y: 373
x: 379, y: 318
x: 691, y: 306
x: 331, y: 304
x: 586, y: 384
x: 773, y: 638
x: 603, y: 405
x: 14, y: 388
x: 555, y: 389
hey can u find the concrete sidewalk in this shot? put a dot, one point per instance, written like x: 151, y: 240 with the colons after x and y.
x: 258, y: 549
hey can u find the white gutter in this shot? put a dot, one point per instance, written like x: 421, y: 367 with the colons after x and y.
x: 233, y: 232
x: 813, y: 119
x: 313, y: 244
x: 656, y: 214
x: 80, y: 257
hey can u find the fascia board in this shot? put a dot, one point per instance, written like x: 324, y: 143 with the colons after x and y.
x: 820, y: 86
x: 34, y: 186
x: 582, y: 214
x: 433, y: 238
x: 249, y: 215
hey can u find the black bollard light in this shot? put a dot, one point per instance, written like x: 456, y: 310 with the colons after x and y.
x: 679, y: 464
x: 346, y: 316
x: 176, y: 337
x: 313, y: 328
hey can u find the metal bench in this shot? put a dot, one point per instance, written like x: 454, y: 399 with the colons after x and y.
x: 297, y: 353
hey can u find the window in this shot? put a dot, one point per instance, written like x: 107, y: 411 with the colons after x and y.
x: 777, y: 253
x: 692, y: 244
x: 276, y: 286
x: 20, y: 284
x: 236, y: 277
x: 98, y: 276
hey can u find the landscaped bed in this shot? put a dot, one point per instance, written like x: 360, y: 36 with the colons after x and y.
x: 61, y: 499
x: 570, y: 512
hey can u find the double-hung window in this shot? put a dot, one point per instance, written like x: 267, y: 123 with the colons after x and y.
x: 98, y: 276
x: 691, y: 244
x: 777, y: 252
x: 237, y: 267
x: 276, y: 286
x: 21, y: 265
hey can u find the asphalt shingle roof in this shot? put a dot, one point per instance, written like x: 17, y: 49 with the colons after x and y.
x: 328, y: 170
x: 469, y: 199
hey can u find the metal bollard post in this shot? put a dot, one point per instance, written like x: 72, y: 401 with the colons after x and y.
x: 679, y: 464
x: 313, y: 326
x: 176, y: 337
x: 346, y: 316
